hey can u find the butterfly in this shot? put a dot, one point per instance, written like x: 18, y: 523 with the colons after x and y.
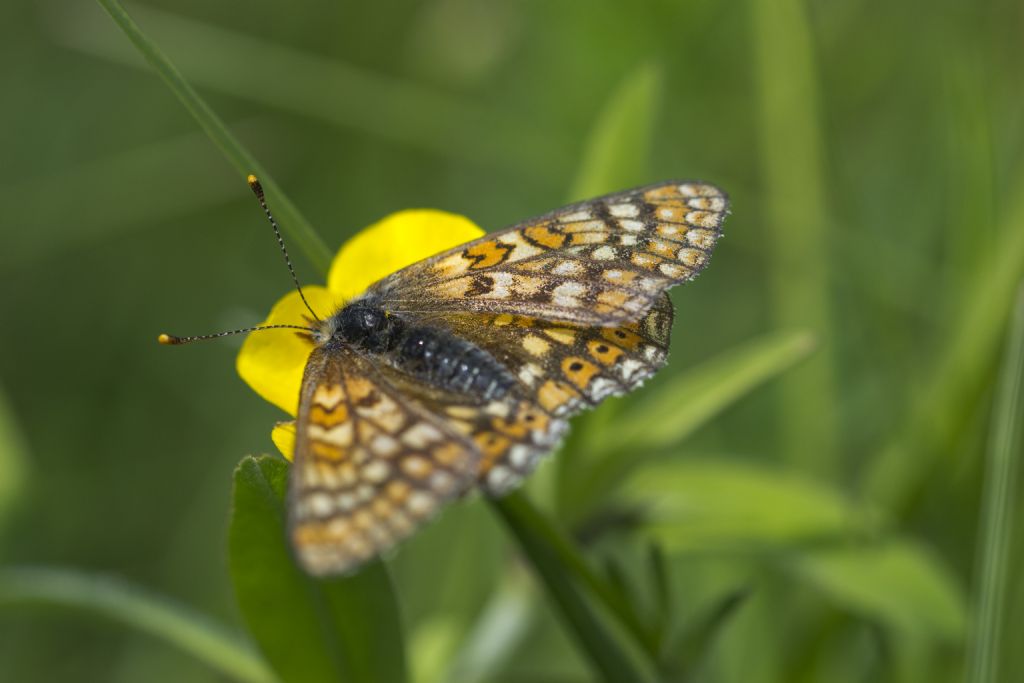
x: 460, y: 372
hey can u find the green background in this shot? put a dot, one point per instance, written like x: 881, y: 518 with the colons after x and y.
x: 872, y: 151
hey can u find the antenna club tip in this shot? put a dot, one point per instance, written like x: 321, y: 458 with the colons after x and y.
x: 168, y: 339
x: 254, y: 184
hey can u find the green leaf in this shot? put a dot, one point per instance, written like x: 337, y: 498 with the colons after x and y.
x: 896, y: 582
x: 618, y: 149
x: 699, y: 505
x: 998, y: 503
x: 668, y: 413
x: 194, y: 633
x: 291, y: 219
x: 311, y: 631
x: 13, y: 460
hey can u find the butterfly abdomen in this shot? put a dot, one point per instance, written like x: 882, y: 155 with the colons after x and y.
x: 428, y: 353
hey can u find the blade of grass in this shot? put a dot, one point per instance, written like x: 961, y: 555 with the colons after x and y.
x: 998, y: 502
x: 958, y: 377
x: 190, y: 631
x: 618, y: 148
x: 335, y: 92
x: 797, y: 218
x: 565, y: 574
x: 502, y: 625
x: 292, y: 221
x: 13, y: 460
x: 673, y: 411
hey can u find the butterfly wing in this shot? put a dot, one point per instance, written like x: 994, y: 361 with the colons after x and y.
x: 599, y: 263
x: 372, y: 463
x: 562, y: 368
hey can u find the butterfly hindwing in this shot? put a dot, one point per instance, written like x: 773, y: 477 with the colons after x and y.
x: 371, y: 463
x: 598, y: 263
x: 563, y: 369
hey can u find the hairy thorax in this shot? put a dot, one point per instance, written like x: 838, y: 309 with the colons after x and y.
x: 430, y: 354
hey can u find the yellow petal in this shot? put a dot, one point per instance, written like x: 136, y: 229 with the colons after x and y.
x: 272, y: 361
x: 283, y: 437
x: 393, y: 243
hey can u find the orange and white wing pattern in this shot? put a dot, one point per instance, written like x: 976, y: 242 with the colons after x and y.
x: 562, y: 368
x: 371, y: 464
x: 598, y: 263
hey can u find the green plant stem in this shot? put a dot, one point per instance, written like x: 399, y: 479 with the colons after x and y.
x: 998, y: 501
x: 292, y: 221
x: 555, y: 558
x: 958, y: 377
x: 192, y: 632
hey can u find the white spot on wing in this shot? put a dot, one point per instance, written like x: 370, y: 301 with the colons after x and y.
x: 567, y: 268
x: 624, y: 210
x: 576, y: 216
x: 566, y: 294
x: 320, y: 504
x: 376, y: 471
x: 421, y: 434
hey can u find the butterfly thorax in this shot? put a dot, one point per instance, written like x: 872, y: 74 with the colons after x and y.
x: 432, y: 354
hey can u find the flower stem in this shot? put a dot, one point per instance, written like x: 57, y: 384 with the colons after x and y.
x: 555, y: 559
x: 292, y: 221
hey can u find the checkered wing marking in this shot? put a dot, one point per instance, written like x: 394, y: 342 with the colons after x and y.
x: 562, y: 369
x: 371, y: 464
x: 601, y: 262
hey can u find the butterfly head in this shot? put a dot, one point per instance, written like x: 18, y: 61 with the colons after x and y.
x: 363, y: 323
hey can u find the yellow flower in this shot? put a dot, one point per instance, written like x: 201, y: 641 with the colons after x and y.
x: 272, y: 362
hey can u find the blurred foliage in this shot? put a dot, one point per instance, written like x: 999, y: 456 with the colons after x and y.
x: 824, y: 527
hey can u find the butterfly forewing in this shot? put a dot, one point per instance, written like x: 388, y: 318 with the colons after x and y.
x: 596, y: 263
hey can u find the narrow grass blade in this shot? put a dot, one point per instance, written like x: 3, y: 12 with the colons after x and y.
x: 13, y: 460
x: 244, y: 162
x: 688, y: 655
x: 502, y: 625
x: 571, y: 585
x: 618, y: 149
x: 311, y: 631
x: 673, y: 410
x: 190, y: 631
x: 338, y: 93
x: 998, y: 503
x: 958, y: 376
x: 793, y: 176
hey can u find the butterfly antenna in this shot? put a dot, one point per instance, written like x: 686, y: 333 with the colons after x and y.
x: 257, y: 189
x: 171, y: 340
